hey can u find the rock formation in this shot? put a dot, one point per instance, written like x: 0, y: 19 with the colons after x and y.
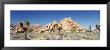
x: 67, y: 25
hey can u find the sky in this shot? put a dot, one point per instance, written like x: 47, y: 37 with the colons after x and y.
x: 85, y: 18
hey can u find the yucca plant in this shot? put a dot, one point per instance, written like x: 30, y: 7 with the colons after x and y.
x: 21, y: 24
x: 26, y: 28
x: 73, y: 30
x: 98, y: 27
x: 58, y: 28
x: 90, y: 29
x: 28, y: 23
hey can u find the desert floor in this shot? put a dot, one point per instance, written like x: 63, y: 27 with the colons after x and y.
x: 55, y: 36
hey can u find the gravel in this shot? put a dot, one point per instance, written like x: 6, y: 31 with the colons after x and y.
x: 55, y: 36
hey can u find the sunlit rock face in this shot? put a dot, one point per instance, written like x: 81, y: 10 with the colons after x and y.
x: 54, y: 22
x: 36, y: 27
x: 69, y: 25
x: 66, y: 23
x: 50, y: 27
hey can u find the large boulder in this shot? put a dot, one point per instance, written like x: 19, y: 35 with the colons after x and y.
x: 69, y: 25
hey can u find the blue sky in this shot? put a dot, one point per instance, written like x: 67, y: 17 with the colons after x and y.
x: 43, y: 17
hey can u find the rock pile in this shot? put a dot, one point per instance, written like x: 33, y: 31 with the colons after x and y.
x: 66, y: 25
x: 69, y: 25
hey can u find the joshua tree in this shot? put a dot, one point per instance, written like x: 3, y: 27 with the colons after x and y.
x: 21, y: 24
x: 90, y: 29
x: 58, y: 28
x: 26, y: 28
x: 98, y: 27
x: 73, y: 30
x: 20, y: 27
x: 27, y: 23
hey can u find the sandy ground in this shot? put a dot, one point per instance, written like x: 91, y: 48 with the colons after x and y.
x: 55, y: 36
